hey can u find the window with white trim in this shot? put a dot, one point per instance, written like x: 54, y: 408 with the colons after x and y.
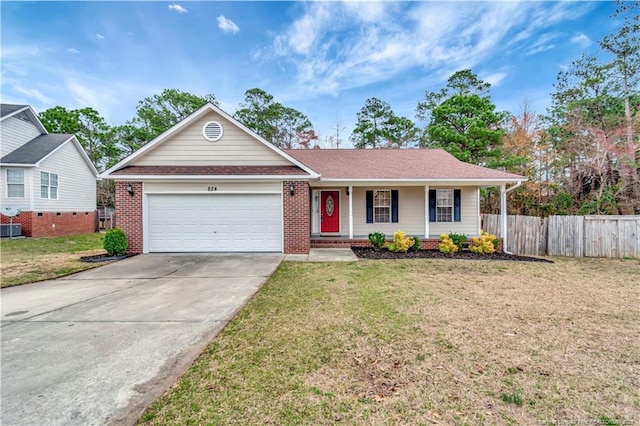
x: 48, y: 185
x: 15, y: 183
x: 382, y: 206
x: 444, y: 205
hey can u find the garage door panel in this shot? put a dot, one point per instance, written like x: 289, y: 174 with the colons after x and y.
x: 227, y: 222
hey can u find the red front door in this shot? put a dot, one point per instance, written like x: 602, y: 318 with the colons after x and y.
x: 330, y: 211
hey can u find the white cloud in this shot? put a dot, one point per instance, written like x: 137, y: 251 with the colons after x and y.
x: 32, y: 93
x: 543, y: 43
x: 227, y: 25
x: 73, y: 50
x: 100, y: 36
x: 581, y: 40
x: 177, y: 8
x: 495, y: 79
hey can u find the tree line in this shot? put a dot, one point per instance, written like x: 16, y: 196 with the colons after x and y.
x: 581, y: 157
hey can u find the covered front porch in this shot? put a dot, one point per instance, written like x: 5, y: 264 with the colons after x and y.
x: 343, y: 215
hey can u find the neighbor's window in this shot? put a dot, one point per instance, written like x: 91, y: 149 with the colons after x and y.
x: 382, y: 206
x: 48, y: 185
x: 444, y: 205
x: 15, y: 183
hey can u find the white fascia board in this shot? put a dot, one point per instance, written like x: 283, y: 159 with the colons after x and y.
x: 194, y: 116
x: 18, y: 111
x: 9, y: 165
x: 207, y: 177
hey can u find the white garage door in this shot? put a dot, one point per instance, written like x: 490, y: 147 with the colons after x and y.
x: 214, y: 222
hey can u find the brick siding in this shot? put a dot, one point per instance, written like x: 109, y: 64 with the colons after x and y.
x: 297, y: 217
x: 54, y: 224
x: 129, y: 214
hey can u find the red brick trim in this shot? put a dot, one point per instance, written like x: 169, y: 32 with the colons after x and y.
x: 54, y: 224
x: 129, y: 214
x: 297, y: 216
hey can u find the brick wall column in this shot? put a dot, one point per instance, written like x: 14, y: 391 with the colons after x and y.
x: 129, y: 214
x: 297, y: 217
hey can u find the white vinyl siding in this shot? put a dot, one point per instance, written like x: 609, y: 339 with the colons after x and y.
x: 76, y: 184
x: 15, y: 133
x: 15, y: 183
x: 411, y: 214
x: 189, y: 147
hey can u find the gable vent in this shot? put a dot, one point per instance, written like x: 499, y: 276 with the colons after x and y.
x: 212, y: 131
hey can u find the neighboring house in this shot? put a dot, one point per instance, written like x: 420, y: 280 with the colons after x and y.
x: 211, y: 184
x: 48, y: 177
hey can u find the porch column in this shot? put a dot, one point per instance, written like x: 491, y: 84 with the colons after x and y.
x: 426, y: 211
x: 350, y: 212
x: 503, y: 216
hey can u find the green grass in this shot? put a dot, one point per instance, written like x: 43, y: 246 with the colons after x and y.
x: 422, y: 342
x: 27, y: 260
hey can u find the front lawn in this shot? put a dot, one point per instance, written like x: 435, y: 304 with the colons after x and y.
x: 424, y: 342
x: 27, y: 260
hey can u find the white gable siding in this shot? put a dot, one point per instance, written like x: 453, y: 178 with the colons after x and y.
x: 76, y: 182
x: 14, y: 133
x: 21, y: 203
x: 188, y: 147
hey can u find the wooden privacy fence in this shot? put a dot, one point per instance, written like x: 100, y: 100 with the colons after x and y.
x: 575, y: 236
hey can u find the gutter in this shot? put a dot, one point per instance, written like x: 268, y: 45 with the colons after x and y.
x: 504, y: 194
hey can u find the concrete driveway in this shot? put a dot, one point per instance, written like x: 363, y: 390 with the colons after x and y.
x: 97, y: 347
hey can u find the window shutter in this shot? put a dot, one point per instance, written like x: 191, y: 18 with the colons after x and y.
x: 394, y: 206
x: 456, y: 205
x: 432, y: 205
x: 369, y: 206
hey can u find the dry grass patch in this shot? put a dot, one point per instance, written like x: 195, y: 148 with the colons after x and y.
x: 424, y: 342
x: 34, y: 259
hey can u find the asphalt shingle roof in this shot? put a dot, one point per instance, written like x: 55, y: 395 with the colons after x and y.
x: 392, y: 164
x: 6, y: 109
x: 36, y: 149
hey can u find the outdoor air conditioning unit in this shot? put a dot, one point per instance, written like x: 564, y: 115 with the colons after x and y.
x: 14, y: 230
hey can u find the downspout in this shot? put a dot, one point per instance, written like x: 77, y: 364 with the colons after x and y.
x: 503, y: 210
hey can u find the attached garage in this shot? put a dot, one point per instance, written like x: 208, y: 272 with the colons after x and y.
x: 214, y: 223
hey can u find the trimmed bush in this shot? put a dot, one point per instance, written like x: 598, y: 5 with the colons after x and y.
x: 115, y: 242
x: 459, y: 240
x: 447, y: 245
x: 400, y: 243
x: 484, y: 244
x: 377, y: 239
x: 416, y: 244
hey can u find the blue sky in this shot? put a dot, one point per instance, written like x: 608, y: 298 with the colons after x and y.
x: 323, y: 58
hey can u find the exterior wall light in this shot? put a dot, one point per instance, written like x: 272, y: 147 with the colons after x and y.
x: 130, y: 188
x: 291, y: 189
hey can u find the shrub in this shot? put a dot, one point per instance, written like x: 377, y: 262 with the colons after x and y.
x: 460, y: 240
x: 115, y: 242
x: 447, y: 245
x: 400, y: 243
x: 416, y: 244
x: 484, y: 244
x: 377, y: 239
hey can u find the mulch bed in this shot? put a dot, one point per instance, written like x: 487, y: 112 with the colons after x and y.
x: 103, y: 258
x: 371, y: 253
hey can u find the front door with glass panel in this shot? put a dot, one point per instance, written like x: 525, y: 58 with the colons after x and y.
x: 330, y: 211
